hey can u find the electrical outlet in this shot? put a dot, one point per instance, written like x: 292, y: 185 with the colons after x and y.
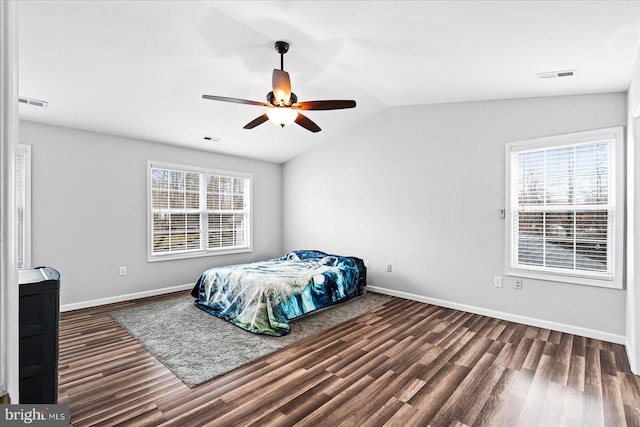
x: 388, y: 268
x: 123, y: 271
x: 497, y: 281
x: 517, y: 284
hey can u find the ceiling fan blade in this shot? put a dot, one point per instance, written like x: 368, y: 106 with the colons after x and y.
x: 324, y: 105
x: 307, y: 123
x: 281, y: 85
x: 257, y: 121
x: 235, y: 100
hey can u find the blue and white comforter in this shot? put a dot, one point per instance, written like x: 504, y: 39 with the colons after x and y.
x: 262, y: 297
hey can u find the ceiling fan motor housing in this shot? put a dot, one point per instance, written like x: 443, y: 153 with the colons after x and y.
x: 271, y: 99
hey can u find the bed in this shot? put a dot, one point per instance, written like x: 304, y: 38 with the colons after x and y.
x: 262, y: 297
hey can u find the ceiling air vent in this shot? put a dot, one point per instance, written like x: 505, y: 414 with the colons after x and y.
x: 34, y: 102
x: 553, y: 74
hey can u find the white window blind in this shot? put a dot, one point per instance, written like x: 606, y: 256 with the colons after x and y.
x: 197, y: 212
x: 226, y: 211
x: 563, y: 212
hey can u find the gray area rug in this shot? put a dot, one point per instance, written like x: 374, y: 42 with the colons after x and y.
x: 198, y: 347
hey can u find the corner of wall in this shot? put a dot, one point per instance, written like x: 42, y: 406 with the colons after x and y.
x: 632, y: 339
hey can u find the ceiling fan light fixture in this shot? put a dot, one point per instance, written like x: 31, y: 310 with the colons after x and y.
x: 282, y: 116
x: 283, y: 105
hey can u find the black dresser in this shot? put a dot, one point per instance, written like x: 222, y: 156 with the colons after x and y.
x: 39, y: 322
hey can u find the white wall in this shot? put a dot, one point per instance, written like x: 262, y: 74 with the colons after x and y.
x: 89, y: 209
x: 421, y: 187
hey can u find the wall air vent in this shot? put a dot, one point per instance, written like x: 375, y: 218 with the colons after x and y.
x: 553, y: 74
x: 34, y: 102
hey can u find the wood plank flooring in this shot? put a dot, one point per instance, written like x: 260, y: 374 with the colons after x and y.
x: 402, y: 364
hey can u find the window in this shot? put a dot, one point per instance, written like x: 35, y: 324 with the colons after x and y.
x: 197, y: 212
x: 23, y: 204
x: 565, y: 208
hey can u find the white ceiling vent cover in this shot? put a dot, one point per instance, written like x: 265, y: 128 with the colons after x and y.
x: 553, y: 74
x: 34, y: 102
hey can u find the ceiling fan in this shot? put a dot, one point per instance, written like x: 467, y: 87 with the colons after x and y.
x: 283, y: 106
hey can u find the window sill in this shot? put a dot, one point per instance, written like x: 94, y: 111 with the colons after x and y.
x: 565, y: 278
x: 198, y: 254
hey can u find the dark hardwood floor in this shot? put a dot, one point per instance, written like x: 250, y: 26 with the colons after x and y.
x: 403, y: 364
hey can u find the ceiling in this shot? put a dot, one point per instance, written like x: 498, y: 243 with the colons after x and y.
x: 139, y: 68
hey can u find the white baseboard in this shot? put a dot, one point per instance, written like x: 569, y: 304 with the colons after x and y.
x: 560, y: 327
x: 126, y: 297
x: 632, y: 359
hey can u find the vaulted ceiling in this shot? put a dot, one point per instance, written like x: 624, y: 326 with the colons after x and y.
x: 139, y: 68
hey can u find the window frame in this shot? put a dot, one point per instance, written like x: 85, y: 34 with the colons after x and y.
x: 616, y: 201
x: 203, y: 251
x: 24, y: 150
